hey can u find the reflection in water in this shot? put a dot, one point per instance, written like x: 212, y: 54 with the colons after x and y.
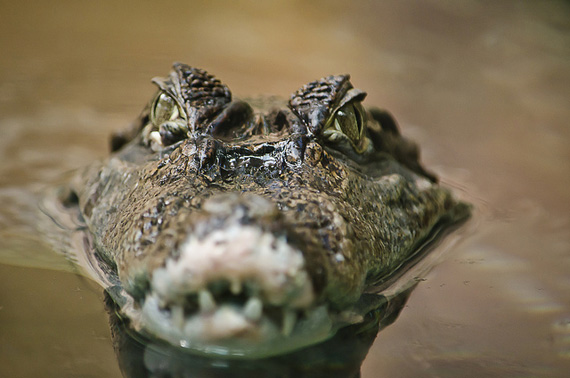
x: 340, y: 356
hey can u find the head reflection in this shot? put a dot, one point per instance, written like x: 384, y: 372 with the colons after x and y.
x: 339, y: 356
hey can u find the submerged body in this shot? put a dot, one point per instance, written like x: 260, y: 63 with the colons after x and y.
x: 246, y: 230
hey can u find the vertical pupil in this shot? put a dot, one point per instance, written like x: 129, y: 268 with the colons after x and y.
x: 359, y: 120
x: 349, y: 122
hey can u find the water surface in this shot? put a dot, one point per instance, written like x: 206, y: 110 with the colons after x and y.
x: 482, y: 86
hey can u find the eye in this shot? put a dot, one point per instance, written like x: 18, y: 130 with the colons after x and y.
x: 347, y: 124
x: 348, y: 119
x: 168, y: 123
x: 164, y: 109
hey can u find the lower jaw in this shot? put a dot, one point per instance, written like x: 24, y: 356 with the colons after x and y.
x: 227, y: 332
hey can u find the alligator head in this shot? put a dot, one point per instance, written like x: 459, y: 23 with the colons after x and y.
x: 255, y: 228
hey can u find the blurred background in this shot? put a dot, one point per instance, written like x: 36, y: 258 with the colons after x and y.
x: 482, y: 86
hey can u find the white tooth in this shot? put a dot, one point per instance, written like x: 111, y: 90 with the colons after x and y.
x: 289, y: 320
x: 206, y: 301
x: 155, y: 138
x: 235, y: 287
x: 253, y: 309
x: 177, y: 313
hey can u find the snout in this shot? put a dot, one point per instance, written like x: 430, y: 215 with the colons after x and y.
x: 235, y: 277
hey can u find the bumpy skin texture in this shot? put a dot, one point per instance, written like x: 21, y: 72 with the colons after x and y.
x: 355, y: 213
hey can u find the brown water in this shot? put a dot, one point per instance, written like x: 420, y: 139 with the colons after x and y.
x: 484, y: 87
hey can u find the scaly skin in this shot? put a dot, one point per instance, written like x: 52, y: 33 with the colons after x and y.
x: 203, y: 210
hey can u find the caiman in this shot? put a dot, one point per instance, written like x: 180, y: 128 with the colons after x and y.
x: 254, y: 228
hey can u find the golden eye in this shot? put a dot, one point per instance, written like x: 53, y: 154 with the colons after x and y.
x: 164, y: 109
x: 348, y: 119
x: 347, y: 123
x: 168, y: 123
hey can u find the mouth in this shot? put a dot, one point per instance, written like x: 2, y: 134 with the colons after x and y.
x: 237, y: 284
x: 237, y: 291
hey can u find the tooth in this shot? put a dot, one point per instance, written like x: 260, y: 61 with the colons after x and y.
x: 206, y: 301
x: 156, y: 138
x: 177, y: 313
x: 289, y: 320
x: 235, y: 287
x: 253, y: 309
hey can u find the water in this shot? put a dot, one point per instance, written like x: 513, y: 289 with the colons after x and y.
x: 483, y: 87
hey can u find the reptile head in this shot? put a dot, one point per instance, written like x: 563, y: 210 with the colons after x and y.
x: 254, y: 228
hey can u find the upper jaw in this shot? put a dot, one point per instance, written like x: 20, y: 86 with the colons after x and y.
x: 218, y: 286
